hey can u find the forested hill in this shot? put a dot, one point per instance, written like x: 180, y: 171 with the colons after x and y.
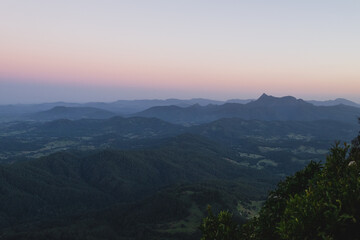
x: 69, y: 184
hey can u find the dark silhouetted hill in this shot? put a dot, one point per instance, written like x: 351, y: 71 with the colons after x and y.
x: 71, y: 113
x: 337, y: 101
x: 267, y: 108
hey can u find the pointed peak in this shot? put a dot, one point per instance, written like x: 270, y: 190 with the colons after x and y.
x: 265, y: 99
x: 264, y: 95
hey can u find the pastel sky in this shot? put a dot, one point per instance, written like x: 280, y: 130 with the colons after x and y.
x: 105, y: 50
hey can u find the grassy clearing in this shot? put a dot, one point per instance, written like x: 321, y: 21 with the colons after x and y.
x: 249, y: 210
x: 311, y: 150
x: 188, y: 225
x: 267, y: 162
x: 250, y: 155
x: 270, y: 149
x: 299, y: 137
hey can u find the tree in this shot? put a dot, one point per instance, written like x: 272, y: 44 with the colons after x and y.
x: 220, y: 227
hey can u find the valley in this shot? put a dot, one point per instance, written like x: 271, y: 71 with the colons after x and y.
x: 149, y: 177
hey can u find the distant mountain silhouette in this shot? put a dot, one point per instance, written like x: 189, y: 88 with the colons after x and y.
x: 127, y: 107
x: 71, y: 113
x: 264, y: 108
x: 335, y: 102
x: 20, y: 112
x: 242, y: 101
x: 133, y: 106
x: 267, y: 100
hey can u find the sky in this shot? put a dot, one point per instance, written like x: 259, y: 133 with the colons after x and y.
x: 106, y: 50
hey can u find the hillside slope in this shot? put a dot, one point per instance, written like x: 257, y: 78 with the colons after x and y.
x: 70, y: 183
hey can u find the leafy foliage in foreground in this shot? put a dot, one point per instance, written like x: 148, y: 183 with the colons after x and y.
x: 221, y: 226
x: 320, y: 202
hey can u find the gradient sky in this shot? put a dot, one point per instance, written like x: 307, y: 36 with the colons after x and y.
x: 105, y: 50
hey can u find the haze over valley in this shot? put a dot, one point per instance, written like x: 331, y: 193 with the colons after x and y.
x: 180, y: 120
x: 81, y: 162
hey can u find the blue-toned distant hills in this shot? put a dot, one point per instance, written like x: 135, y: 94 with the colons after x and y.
x: 334, y: 102
x: 71, y: 113
x: 265, y: 108
x: 82, y: 170
x: 192, y: 111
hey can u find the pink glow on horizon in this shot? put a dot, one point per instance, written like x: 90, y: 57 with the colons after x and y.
x: 185, y: 79
x: 198, y: 74
x: 66, y: 70
x: 207, y: 48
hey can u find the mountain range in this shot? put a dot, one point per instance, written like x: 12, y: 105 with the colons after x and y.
x: 264, y: 108
x: 335, y: 102
x: 84, y: 172
x: 127, y: 107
